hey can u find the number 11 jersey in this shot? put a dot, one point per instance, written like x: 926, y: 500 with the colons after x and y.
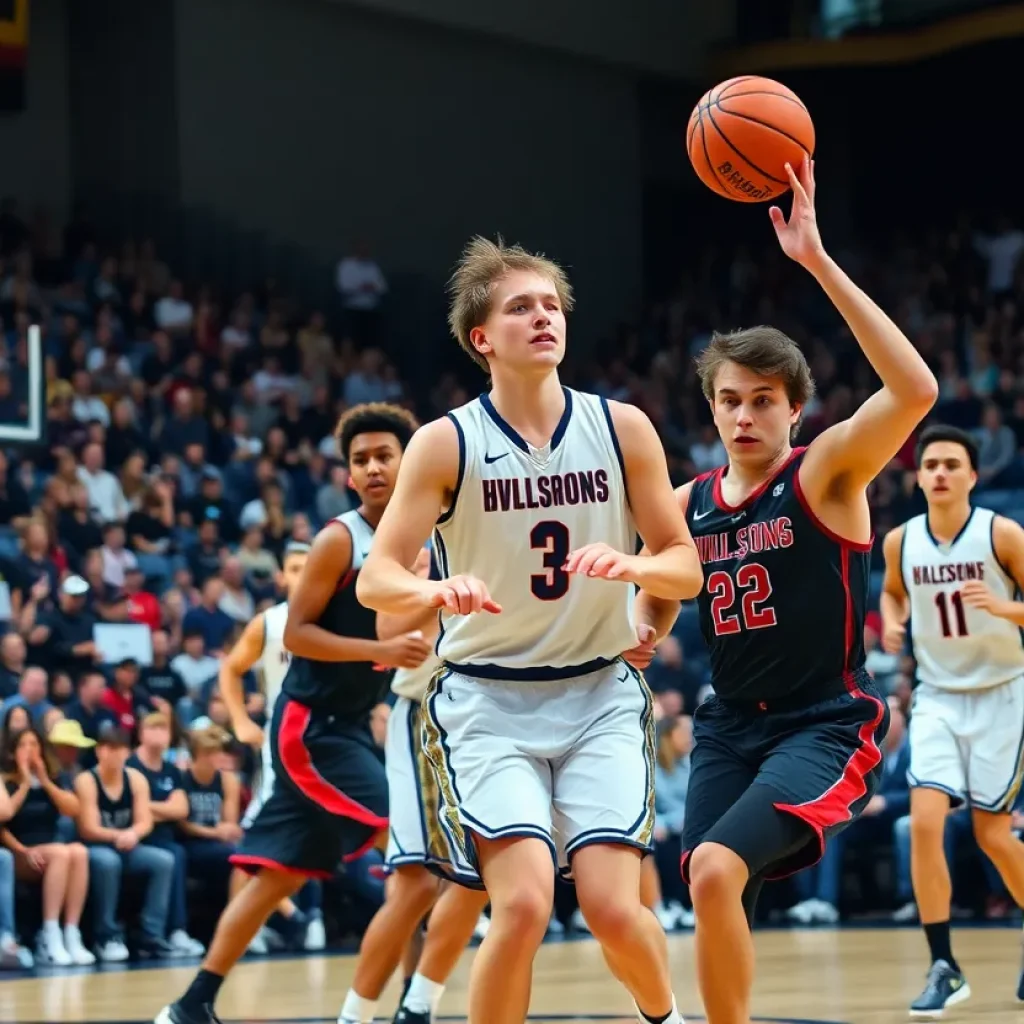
x: 783, y: 604
x: 516, y: 514
x: 957, y: 647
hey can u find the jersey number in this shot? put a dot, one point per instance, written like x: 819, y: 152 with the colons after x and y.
x: 752, y: 579
x: 551, y: 537
x: 943, y: 603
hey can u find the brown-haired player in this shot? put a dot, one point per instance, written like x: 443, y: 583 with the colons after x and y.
x: 539, y: 734
x: 329, y: 800
x: 786, y: 752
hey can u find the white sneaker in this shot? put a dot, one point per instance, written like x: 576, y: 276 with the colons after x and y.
x: 259, y: 943
x: 687, y: 919
x: 824, y: 913
x: 316, y: 935
x: 668, y: 917
x: 50, y: 949
x: 802, y: 913
x: 184, y: 945
x: 14, y: 956
x: 905, y: 914
x: 113, y: 951
x: 483, y: 926
x: 80, y: 956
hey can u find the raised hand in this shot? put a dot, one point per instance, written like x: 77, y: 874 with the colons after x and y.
x: 799, y: 235
x: 602, y: 562
x: 462, y: 595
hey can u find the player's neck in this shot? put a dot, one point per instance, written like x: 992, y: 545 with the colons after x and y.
x: 747, y: 477
x: 372, y: 515
x: 946, y: 522
x: 532, y: 407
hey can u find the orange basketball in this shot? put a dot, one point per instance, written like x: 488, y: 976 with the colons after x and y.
x: 741, y: 135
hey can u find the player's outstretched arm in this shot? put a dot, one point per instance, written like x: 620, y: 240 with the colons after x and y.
x: 427, y: 483
x: 854, y: 452
x: 671, y: 570
x: 330, y: 558
x: 894, y: 603
x: 239, y: 660
x: 1008, y: 545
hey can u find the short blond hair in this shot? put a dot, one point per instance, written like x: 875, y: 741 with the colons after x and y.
x: 482, y: 265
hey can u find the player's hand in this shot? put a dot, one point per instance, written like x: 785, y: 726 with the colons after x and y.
x: 127, y: 840
x: 643, y: 654
x: 462, y: 595
x: 601, y: 562
x: 248, y: 732
x: 407, y: 651
x: 36, y: 860
x: 894, y: 638
x: 976, y: 595
x: 799, y: 235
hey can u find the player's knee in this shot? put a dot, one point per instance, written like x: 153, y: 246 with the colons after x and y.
x: 716, y: 874
x: 992, y: 831
x: 524, y: 909
x: 928, y: 824
x: 416, y: 887
x: 611, y: 915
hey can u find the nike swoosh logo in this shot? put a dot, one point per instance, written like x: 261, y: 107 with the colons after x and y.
x: 494, y: 458
x: 701, y: 515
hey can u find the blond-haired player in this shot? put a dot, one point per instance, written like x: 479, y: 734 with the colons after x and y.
x: 539, y: 733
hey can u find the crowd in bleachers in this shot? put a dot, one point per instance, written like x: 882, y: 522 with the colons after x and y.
x: 190, y: 439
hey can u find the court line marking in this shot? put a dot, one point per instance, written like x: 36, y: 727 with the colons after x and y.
x: 541, y: 1018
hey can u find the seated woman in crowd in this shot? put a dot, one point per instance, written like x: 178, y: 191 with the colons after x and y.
x: 671, y: 780
x: 12, y: 955
x: 37, y: 801
x: 115, y: 818
x: 211, y: 832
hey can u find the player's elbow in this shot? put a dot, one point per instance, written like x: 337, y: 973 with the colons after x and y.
x: 368, y: 590
x: 921, y: 391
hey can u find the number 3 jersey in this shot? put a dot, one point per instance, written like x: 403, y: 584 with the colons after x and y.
x: 957, y: 647
x: 783, y: 604
x: 517, y: 513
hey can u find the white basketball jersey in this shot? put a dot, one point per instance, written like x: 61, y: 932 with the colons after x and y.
x: 517, y: 513
x: 275, y: 657
x: 362, y: 536
x: 956, y: 647
x: 413, y: 682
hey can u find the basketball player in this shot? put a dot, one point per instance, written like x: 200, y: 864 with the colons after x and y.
x: 329, y: 799
x: 536, y: 727
x: 786, y: 751
x: 414, y: 843
x: 262, y: 643
x: 954, y: 572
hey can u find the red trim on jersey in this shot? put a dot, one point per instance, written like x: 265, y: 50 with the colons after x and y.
x: 363, y: 850
x: 833, y: 806
x: 346, y: 580
x: 853, y: 545
x: 296, y: 761
x: 250, y: 865
x: 720, y: 501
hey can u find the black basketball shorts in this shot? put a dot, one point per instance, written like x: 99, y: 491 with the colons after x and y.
x: 773, y: 783
x: 330, y: 797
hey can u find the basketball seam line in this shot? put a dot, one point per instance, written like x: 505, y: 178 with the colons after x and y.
x: 745, y: 159
x: 725, y: 191
x: 761, y: 92
x: 765, y: 124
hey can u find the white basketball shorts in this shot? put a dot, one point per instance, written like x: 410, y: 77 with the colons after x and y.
x: 969, y: 744
x: 569, y: 761
x: 414, y: 834
x: 265, y: 782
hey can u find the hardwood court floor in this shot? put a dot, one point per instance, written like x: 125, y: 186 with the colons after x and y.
x: 809, y: 977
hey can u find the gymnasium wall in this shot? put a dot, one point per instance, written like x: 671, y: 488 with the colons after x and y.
x: 321, y: 123
x: 664, y: 37
x: 35, y: 143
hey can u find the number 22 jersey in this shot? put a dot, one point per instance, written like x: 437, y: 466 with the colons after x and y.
x: 517, y: 513
x: 783, y: 604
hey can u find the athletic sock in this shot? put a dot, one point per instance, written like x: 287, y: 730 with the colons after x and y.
x: 939, y: 943
x: 356, y: 1010
x: 202, y: 992
x: 423, y: 995
x: 672, y: 1017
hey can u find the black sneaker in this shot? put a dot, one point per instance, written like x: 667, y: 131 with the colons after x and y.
x: 177, y: 1014
x: 407, y: 1016
x: 151, y: 947
x: 945, y: 988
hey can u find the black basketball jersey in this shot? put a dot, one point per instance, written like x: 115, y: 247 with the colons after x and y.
x: 349, y: 689
x: 116, y: 813
x: 783, y: 604
x: 205, y: 799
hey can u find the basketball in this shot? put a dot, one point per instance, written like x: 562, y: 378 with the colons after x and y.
x: 741, y: 135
